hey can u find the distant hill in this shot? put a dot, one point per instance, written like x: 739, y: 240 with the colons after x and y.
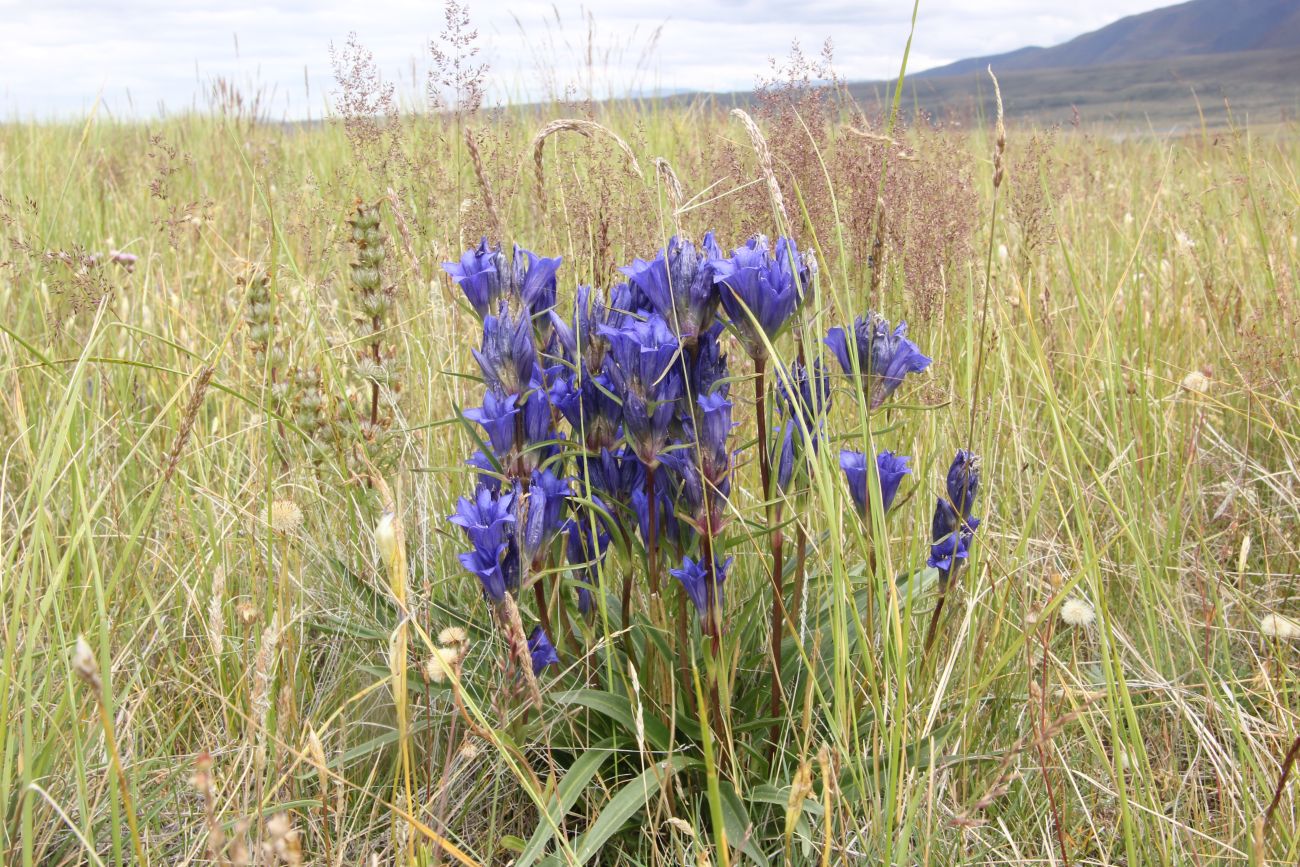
x: 1199, y: 27
x: 1163, y: 71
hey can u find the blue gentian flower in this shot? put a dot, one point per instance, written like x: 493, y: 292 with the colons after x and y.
x: 963, y: 481
x: 783, y: 460
x: 612, y: 473
x: 588, y: 403
x: 489, y: 474
x: 804, y: 399
x: 585, y: 554
x: 708, y: 368
x: 580, y: 337
x: 533, y: 280
x: 695, y: 579
x: 714, y: 430
x: 951, y: 537
x: 805, y: 396
x: 507, y: 357
x: 665, y: 517
x: 883, y: 357
x: 543, y: 503
x: 890, y: 468
x: 541, y: 650
x: 497, y: 418
x: 760, y: 292
x: 478, y: 273
x: 679, y: 285
x: 484, y: 520
x: 951, y: 530
x: 647, y: 378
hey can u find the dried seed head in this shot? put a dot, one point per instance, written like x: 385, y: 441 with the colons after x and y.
x: 468, y: 751
x: 682, y: 826
x: 1279, y: 627
x: 452, y: 636
x: 443, y: 660
x: 217, y: 613
x: 285, y: 516
x: 1077, y: 612
x: 84, y: 663
x: 386, y: 540
x: 1197, y: 383
x: 247, y: 614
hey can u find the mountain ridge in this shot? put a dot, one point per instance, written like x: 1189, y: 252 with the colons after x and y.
x: 1196, y: 27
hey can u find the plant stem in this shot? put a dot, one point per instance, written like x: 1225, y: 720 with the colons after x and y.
x: 765, y: 476
x: 652, y: 543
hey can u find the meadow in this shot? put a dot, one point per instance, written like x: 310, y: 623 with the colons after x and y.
x: 239, y: 392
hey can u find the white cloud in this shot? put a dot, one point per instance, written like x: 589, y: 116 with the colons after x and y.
x: 58, y: 56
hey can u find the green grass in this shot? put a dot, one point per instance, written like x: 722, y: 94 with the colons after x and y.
x: 1157, y: 732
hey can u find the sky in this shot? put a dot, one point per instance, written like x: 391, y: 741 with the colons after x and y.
x: 137, y: 58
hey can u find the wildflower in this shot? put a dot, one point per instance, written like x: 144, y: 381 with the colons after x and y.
x: 580, y: 338
x: 714, y: 429
x: 784, y: 456
x: 1279, y: 627
x: 704, y: 591
x: 532, y: 280
x: 484, y: 521
x: 126, y: 260
x: 587, y: 401
x: 285, y: 516
x: 648, y: 381
x: 612, y: 473
x: 542, y: 507
x: 497, y: 418
x: 679, y: 285
x: 881, y: 358
x: 541, y: 650
x: 951, y: 538
x: 890, y: 469
x: 507, y: 357
x: 665, y: 515
x: 707, y: 371
x: 963, y: 481
x: 478, y: 273
x: 1077, y: 612
x: 760, y: 292
x: 951, y: 531
x: 246, y: 613
x: 585, y: 554
x: 804, y: 399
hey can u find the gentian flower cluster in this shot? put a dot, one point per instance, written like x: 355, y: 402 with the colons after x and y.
x: 630, y: 386
x: 520, y: 503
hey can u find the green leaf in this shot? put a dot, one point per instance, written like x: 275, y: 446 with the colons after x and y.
x: 617, y: 708
x: 740, y: 831
x: 620, y: 809
x: 566, y: 795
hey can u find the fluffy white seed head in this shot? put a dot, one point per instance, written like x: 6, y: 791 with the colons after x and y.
x: 1077, y: 612
x: 285, y: 516
x: 1279, y: 627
